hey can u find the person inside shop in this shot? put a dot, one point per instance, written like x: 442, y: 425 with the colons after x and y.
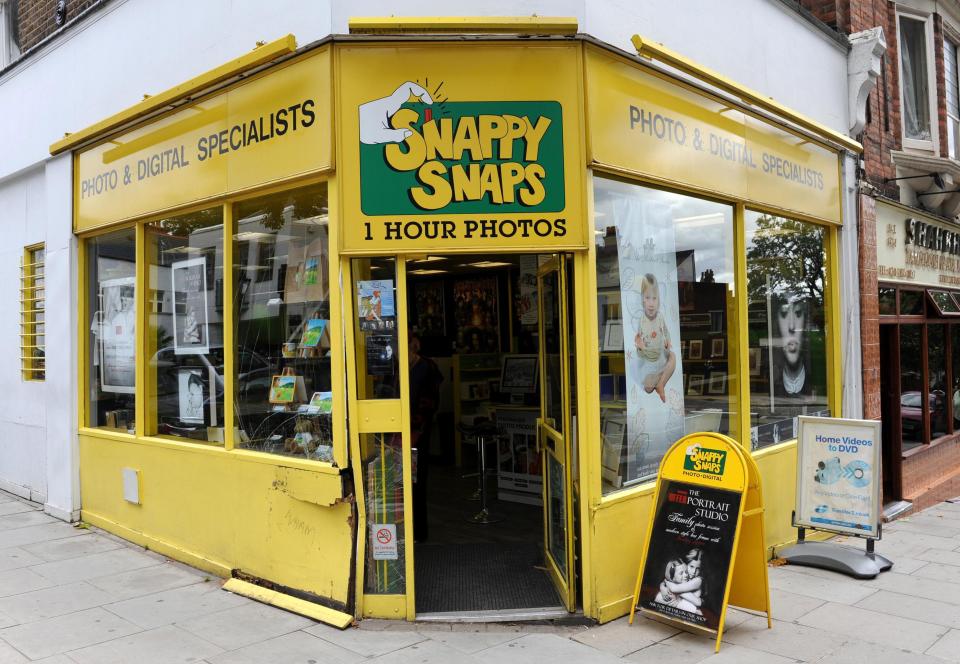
x: 425, y: 379
x: 791, y: 371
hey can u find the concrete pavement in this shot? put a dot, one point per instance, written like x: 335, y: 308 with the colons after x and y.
x: 72, y: 595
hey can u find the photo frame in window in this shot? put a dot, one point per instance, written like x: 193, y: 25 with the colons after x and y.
x: 613, y: 335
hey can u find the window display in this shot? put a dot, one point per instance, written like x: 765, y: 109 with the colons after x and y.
x: 664, y: 280
x: 111, y: 297
x: 282, y: 312
x: 785, y: 282
x: 185, y: 326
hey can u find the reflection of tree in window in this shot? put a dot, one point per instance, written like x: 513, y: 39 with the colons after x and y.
x: 785, y: 256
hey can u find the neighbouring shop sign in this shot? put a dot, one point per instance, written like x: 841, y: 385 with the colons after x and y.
x: 916, y: 249
x: 460, y: 147
x: 707, y: 520
x: 274, y: 127
x: 647, y: 124
x: 838, y: 473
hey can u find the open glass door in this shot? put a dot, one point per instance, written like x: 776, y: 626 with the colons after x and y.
x: 380, y: 436
x: 555, y: 427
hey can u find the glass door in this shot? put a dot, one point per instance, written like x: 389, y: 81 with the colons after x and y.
x: 380, y: 436
x: 555, y: 426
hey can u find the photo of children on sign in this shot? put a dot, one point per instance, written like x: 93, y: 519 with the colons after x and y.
x: 690, y: 551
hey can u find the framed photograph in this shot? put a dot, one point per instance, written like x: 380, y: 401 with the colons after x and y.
x: 683, y: 349
x: 613, y: 335
x: 695, y: 386
x: 696, y: 349
x: 430, y: 310
x: 322, y: 402
x: 287, y: 388
x: 191, y: 391
x: 754, y: 358
x: 519, y: 374
x: 116, y: 335
x: 716, y: 348
x: 718, y: 383
x: 191, y: 329
x: 313, y: 332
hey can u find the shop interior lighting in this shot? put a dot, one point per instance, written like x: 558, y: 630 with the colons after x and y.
x: 426, y: 271
x: 429, y: 259
x: 486, y: 264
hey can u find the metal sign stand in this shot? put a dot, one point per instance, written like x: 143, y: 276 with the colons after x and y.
x: 836, y: 557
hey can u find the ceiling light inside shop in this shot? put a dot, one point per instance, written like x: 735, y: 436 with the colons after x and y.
x: 430, y: 259
x: 424, y: 271
x: 485, y: 264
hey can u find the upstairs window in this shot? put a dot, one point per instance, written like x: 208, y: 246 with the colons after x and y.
x: 32, y: 323
x: 915, y: 87
x: 953, y: 97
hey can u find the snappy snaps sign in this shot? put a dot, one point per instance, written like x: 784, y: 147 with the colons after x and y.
x: 462, y: 158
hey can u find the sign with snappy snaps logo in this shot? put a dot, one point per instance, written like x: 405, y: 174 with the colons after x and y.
x: 456, y: 156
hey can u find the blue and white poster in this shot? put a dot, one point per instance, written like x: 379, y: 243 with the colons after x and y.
x: 651, y: 331
x: 838, y: 476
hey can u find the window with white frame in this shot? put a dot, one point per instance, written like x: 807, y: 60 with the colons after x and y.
x: 952, y: 81
x: 915, y: 84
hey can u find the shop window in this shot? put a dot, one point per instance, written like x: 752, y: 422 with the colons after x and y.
x: 111, y: 301
x: 184, y: 301
x: 283, y: 390
x: 888, y: 301
x: 955, y: 366
x: 911, y: 303
x: 915, y: 88
x: 32, y: 314
x: 913, y: 401
x: 665, y: 280
x: 375, y: 331
x: 951, y: 74
x: 937, y: 379
x: 787, y: 329
x: 944, y: 303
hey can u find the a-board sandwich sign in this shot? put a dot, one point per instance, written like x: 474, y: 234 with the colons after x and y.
x: 838, y: 473
x: 698, y: 531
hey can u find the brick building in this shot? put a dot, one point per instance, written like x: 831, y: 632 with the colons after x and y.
x: 908, y: 254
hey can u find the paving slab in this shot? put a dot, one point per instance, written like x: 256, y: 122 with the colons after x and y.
x: 787, y: 606
x: 16, y: 557
x: 948, y: 647
x: 927, y: 526
x: 908, y: 606
x: 938, y: 556
x: 244, y: 625
x: 64, y: 633
x: 44, y: 533
x: 621, y: 638
x: 164, y: 645
x: 363, y: 642
x: 426, y: 652
x: 939, y: 572
x: 72, y: 547
x: 544, y: 649
x: 10, y: 655
x: 910, y: 543
x: 25, y: 518
x: 52, y: 602
x: 149, y: 580
x: 840, y: 589
x: 471, y: 642
x: 861, y: 624
x: 785, y: 639
x: 178, y: 604
x: 22, y: 580
x: 15, y: 507
x: 294, y: 648
x: 855, y: 651
x: 94, y: 565
x: 917, y: 586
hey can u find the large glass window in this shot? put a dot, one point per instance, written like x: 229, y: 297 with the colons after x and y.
x: 912, y: 425
x: 914, y: 82
x: 283, y: 392
x: 185, y: 326
x: 665, y: 284
x: 937, y: 378
x: 787, y: 327
x: 951, y: 80
x: 111, y: 297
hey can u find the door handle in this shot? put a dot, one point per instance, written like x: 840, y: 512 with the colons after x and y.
x: 539, y: 435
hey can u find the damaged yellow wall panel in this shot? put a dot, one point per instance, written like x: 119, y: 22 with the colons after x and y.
x: 338, y: 619
x: 200, y: 503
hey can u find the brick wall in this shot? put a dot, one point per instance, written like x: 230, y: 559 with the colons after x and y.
x: 36, y: 19
x: 869, y: 307
x: 933, y: 475
x: 941, y: 83
x: 835, y: 13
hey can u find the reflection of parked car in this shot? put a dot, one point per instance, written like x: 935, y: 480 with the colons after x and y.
x: 911, y: 412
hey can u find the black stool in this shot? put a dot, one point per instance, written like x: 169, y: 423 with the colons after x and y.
x: 483, y: 431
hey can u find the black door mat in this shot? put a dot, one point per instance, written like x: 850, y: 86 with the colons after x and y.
x: 482, y: 577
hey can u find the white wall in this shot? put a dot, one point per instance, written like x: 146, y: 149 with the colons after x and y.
x: 132, y: 47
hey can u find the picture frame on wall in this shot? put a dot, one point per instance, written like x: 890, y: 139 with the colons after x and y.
x: 696, y: 349
x: 718, y: 383
x: 683, y: 349
x: 695, y: 386
x: 716, y: 347
x: 519, y: 374
x: 191, y: 326
x: 613, y: 335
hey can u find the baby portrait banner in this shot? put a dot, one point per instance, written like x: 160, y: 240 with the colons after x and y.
x: 689, y: 558
x: 651, y: 331
x: 191, y: 335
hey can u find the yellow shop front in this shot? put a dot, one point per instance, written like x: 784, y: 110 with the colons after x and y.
x: 402, y: 327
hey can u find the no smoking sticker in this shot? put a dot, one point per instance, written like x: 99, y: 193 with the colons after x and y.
x: 383, y: 541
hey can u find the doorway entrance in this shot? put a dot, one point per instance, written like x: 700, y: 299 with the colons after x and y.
x: 479, y: 351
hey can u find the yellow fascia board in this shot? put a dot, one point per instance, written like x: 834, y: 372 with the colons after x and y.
x: 288, y: 603
x: 540, y: 25
x: 655, y: 51
x: 258, y: 56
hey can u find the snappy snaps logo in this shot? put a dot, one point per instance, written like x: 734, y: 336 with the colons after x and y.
x: 423, y: 155
x: 703, y: 460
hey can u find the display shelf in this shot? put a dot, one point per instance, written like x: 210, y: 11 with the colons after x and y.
x: 473, y: 369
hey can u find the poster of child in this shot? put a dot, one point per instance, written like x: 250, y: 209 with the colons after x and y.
x: 191, y: 399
